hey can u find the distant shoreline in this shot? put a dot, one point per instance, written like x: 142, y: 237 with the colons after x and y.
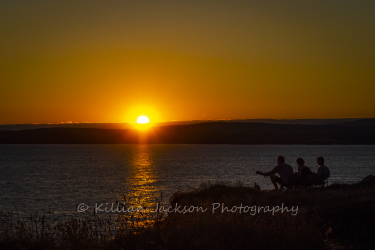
x: 359, y: 132
x: 128, y: 125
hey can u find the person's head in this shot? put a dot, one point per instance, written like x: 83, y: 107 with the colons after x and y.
x: 300, y: 161
x: 320, y: 160
x: 280, y: 160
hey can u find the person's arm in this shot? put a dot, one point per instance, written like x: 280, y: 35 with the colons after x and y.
x: 273, y: 171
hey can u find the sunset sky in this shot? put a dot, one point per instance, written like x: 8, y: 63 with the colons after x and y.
x: 111, y: 61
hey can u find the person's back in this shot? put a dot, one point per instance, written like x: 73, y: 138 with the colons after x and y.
x: 284, y: 170
x: 323, y: 172
x: 305, y: 173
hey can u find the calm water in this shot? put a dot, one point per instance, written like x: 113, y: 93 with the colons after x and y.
x: 57, y: 178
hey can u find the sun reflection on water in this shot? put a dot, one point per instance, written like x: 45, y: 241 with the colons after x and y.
x: 142, y: 191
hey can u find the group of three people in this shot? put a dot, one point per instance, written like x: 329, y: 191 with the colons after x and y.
x: 304, y: 176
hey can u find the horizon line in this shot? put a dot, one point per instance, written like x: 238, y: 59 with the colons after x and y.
x: 172, y: 121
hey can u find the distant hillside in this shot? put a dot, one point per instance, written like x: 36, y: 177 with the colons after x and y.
x: 128, y: 125
x: 203, y: 133
x: 361, y: 123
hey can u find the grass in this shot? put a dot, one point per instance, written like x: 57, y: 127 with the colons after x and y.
x: 337, y: 217
x: 19, y: 230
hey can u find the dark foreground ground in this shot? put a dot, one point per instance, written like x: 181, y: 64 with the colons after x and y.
x: 219, y: 216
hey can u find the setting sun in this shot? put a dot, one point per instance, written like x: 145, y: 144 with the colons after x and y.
x: 143, y: 119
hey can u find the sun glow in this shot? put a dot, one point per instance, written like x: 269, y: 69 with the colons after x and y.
x: 143, y: 119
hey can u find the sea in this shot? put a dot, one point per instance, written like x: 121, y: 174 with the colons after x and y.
x: 62, y: 179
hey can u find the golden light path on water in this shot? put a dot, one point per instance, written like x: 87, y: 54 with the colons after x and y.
x: 141, y: 191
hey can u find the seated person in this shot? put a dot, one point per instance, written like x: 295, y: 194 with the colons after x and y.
x: 304, y: 172
x: 285, y: 172
x: 322, y: 173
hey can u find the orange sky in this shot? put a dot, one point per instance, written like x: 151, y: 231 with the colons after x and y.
x: 110, y: 61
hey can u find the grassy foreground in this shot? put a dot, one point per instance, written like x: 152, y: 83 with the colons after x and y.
x: 219, y: 216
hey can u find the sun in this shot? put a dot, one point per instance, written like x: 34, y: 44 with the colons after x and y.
x: 143, y: 119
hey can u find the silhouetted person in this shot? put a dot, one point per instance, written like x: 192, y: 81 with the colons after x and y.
x: 304, y: 172
x: 323, y: 172
x: 285, y: 172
